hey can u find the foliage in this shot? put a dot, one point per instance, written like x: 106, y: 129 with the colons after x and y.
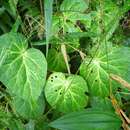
x: 56, y: 62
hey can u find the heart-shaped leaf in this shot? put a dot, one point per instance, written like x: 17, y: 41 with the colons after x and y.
x: 24, y: 70
x: 88, y: 120
x: 96, y: 71
x: 66, y: 94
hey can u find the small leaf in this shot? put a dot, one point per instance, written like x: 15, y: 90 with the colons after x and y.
x: 66, y: 94
x: 88, y: 120
x: 24, y: 70
x: 56, y: 61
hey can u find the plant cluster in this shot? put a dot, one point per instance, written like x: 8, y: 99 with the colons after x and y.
x: 64, y: 64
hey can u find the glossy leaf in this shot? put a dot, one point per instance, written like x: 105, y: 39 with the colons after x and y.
x: 23, y: 71
x: 88, y: 120
x: 66, y: 94
x: 96, y: 71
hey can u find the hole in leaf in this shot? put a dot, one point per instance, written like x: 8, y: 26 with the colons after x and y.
x: 60, y: 93
x: 86, y: 93
x: 56, y: 90
x: 96, y: 80
x: 91, y: 71
x: 51, y: 80
x: 55, y: 76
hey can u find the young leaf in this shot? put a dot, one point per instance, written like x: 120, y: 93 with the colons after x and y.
x: 88, y: 120
x: 96, y: 71
x: 66, y: 94
x: 24, y: 70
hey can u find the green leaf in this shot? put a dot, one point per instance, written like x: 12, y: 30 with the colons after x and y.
x: 96, y: 71
x: 74, y: 5
x: 126, y: 6
x: 16, y: 125
x: 29, y: 109
x: 24, y: 70
x: 4, y: 119
x: 88, y: 120
x: 109, y: 13
x: 13, y: 6
x: 2, y: 10
x: 66, y: 94
x: 103, y: 104
x: 72, y: 11
x: 30, y: 125
x: 48, y: 8
x: 56, y: 61
x: 16, y: 25
x: 42, y: 125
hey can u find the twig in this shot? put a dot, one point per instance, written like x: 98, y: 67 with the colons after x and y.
x: 120, y: 80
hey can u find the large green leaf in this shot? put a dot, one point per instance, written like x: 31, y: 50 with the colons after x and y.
x: 66, y: 94
x: 28, y: 109
x: 24, y: 70
x: 96, y: 71
x: 88, y: 120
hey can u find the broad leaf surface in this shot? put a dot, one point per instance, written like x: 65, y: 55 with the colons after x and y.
x: 23, y: 71
x: 88, y: 120
x: 96, y: 71
x: 72, y: 11
x: 66, y: 94
x: 29, y: 109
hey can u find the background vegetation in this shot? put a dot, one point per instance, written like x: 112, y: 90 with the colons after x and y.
x: 64, y: 64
